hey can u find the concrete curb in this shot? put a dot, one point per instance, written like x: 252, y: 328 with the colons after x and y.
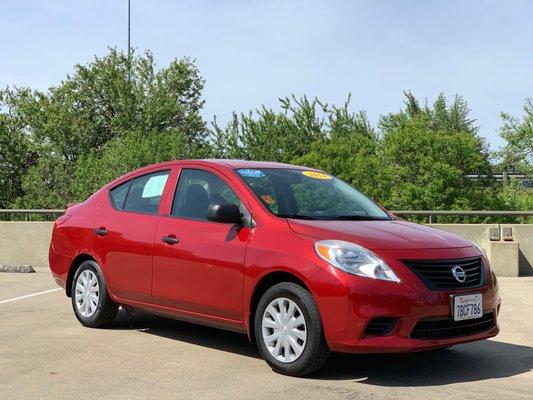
x: 25, y: 269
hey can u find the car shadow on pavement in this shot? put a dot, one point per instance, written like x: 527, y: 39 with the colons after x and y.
x: 463, y: 363
x: 186, y: 332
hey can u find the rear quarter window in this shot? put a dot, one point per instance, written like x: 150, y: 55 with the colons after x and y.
x: 118, y: 195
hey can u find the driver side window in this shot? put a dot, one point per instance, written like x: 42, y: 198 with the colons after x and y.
x: 196, y: 190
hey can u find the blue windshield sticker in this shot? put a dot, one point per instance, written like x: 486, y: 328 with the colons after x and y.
x: 251, y: 173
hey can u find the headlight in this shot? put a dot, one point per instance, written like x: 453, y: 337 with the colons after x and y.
x: 354, y: 259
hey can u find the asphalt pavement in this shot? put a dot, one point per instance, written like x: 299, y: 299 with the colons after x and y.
x: 45, y: 353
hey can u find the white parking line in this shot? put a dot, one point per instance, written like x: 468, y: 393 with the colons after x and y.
x: 29, y: 295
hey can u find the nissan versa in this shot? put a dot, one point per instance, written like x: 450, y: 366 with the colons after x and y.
x: 294, y: 257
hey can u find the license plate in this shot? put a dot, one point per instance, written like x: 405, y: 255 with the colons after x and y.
x: 468, y: 306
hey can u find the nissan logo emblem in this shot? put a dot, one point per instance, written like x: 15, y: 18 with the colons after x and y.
x: 459, y: 274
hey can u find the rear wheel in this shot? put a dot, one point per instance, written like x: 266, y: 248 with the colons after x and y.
x: 288, y: 330
x: 90, y: 300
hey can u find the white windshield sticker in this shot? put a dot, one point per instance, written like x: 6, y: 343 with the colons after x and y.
x: 155, y: 186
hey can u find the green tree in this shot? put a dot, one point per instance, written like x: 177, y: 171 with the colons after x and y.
x: 122, y: 155
x: 118, y: 113
x: 512, y: 196
x: 427, y: 151
x: 269, y: 135
x: 349, y: 151
x: 517, y: 155
x: 16, y: 157
x: 101, y: 102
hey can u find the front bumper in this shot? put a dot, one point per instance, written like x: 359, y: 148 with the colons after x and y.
x: 396, y: 343
x: 347, y: 303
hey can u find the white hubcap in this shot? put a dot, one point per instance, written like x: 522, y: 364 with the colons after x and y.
x: 87, y: 293
x: 284, y: 330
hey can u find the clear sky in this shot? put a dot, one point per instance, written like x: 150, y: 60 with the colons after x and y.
x: 252, y: 52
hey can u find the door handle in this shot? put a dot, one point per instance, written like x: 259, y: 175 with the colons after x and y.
x: 170, y: 239
x: 100, y: 231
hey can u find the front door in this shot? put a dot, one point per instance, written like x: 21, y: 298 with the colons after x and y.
x: 198, y: 264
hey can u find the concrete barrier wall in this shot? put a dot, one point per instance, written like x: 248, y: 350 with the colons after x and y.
x: 508, y: 247
x: 523, y: 235
x: 27, y: 243
x: 478, y: 233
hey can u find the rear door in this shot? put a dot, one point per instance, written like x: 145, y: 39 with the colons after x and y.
x: 202, y: 271
x: 126, y: 224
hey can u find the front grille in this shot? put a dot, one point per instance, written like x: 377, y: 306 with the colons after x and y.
x: 438, y: 275
x: 440, y: 328
x: 380, y: 326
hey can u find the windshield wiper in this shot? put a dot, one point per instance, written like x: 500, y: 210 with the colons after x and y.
x: 355, y: 217
x: 296, y: 216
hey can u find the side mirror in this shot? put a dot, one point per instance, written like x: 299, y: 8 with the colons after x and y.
x: 226, y: 213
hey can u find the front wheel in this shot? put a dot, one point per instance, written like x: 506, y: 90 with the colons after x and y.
x: 288, y: 330
x: 90, y: 300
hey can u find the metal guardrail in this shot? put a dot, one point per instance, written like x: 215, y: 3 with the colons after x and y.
x: 31, y: 211
x: 429, y: 213
x: 28, y: 212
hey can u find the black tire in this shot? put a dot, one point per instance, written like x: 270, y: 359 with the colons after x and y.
x: 316, y: 351
x: 106, y: 309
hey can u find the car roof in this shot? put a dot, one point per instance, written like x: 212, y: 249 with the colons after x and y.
x: 252, y: 164
x: 226, y: 163
x: 233, y: 164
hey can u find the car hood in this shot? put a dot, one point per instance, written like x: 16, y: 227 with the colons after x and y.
x: 380, y: 235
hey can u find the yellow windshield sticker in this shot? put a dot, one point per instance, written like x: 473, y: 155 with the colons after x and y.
x: 316, y: 175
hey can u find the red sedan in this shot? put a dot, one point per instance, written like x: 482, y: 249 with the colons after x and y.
x: 297, y: 259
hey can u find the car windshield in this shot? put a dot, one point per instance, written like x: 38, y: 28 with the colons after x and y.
x: 305, y: 194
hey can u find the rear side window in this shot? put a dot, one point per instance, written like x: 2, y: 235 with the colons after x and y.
x: 118, y: 195
x: 145, y: 192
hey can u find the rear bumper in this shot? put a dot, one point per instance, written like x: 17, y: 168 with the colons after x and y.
x: 59, y: 266
x: 348, y: 303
